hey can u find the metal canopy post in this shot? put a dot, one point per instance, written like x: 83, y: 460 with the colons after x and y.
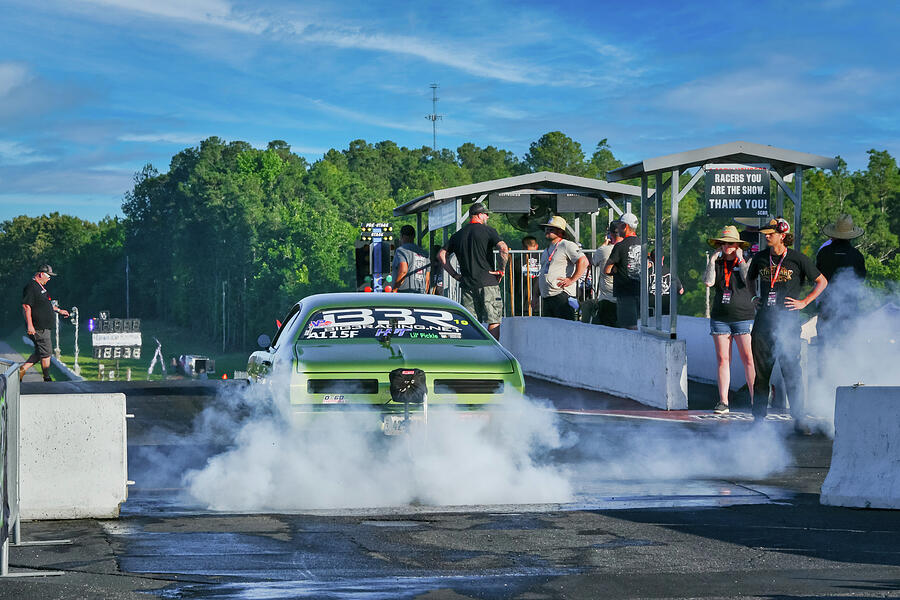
x: 798, y: 204
x: 644, y: 292
x: 673, y: 255
x: 657, y: 252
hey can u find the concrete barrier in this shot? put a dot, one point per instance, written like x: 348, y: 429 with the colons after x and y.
x: 643, y: 367
x: 865, y: 458
x: 73, y: 456
x: 701, y: 354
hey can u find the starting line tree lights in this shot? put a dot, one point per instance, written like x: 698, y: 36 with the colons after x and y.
x: 115, y: 338
x: 373, y: 257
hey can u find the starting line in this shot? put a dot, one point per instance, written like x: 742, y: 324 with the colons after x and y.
x: 675, y: 416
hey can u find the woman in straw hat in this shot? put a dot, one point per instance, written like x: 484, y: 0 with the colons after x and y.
x: 732, y: 310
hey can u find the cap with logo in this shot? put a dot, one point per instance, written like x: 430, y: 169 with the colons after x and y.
x: 48, y: 270
x: 777, y: 225
x: 477, y: 208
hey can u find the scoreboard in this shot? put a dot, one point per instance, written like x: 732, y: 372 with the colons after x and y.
x: 115, y: 338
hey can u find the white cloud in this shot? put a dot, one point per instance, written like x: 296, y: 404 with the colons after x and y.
x: 769, y: 95
x: 219, y: 13
x: 505, y: 112
x: 15, y: 153
x: 451, y: 55
x: 12, y: 75
x: 368, y: 118
x: 166, y: 138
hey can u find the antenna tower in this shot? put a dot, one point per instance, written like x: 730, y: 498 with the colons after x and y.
x: 433, y: 117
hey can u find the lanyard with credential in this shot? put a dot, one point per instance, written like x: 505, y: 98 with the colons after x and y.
x: 777, y: 270
x: 550, y: 258
x: 728, y: 270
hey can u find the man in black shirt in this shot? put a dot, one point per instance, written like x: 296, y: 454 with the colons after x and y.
x: 38, y: 310
x: 839, y: 258
x: 624, y: 264
x: 474, y: 246
x: 782, y: 274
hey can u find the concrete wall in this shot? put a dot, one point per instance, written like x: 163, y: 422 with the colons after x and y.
x: 73, y: 456
x: 865, y: 459
x: 701, y: 355
x: 625, y: 363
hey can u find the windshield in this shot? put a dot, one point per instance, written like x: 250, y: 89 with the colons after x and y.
x: 406, y: 323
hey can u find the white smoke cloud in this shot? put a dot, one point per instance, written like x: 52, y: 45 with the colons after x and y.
x: 277, y: 465
x: 861, y: 347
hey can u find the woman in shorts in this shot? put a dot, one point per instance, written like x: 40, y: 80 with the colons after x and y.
x: 732, y: 309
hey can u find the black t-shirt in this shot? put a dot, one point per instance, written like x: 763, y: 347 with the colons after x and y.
x: 626, y: 256
x: 796, y: 270
x: 840, y: 254
x: 474, y: 246
x: 35, y: 296
x: 740, y: 307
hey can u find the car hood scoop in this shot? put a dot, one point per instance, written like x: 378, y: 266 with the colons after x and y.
x: 369, y: 356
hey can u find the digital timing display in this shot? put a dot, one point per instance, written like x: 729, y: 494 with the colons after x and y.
x: 399, y: 323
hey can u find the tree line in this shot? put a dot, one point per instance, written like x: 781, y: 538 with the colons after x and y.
x: 226, y: 240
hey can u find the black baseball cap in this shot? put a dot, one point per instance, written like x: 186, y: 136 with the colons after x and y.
x: 48, y: 270
x: 477, y: 208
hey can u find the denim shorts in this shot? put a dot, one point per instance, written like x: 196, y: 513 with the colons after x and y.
x: 726, y: 328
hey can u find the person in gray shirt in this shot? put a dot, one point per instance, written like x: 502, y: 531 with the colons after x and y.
x: 601, y: 310
x: 411, y: 265
x: 562, y: 264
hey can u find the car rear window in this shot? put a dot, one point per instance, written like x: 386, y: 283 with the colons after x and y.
x: 400, y: 323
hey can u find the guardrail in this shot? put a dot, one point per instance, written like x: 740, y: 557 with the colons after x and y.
x: 9, y: 458
x: 11, y: 529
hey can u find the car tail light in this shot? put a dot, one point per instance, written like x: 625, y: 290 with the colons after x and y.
x: 468, y: 386
x: 342, y: 386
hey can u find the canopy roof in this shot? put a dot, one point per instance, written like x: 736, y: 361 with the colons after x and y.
x: 543, y: 182
x: 782, y: 161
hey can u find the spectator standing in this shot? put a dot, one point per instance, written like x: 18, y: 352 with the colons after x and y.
x: 528, y: 294
x: 840, y: 259
x: 782, y: 274
x: 474, y: 246
x: 601, y: 310
x: 38, y: 309
x: 562, y: 263
x: 666, y: 283
x: 731, y: 316
x: 410, y: 266
x: 624, y: 264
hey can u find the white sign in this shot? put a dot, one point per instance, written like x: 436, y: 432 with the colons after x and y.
x: 116, y: 339
x: 441, y: 215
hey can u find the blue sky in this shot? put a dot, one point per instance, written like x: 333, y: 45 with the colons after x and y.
x: 90, y: 91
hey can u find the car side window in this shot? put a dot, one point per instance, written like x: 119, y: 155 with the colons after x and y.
x: 288, y: 323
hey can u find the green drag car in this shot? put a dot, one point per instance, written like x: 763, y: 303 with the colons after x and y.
x: 395, y: 353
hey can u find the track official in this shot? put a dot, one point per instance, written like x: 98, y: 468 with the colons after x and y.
x: 38, y: 310
x: 474, y: 246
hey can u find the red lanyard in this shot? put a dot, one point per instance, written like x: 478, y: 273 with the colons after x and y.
x: 777, y: 270
x: 550, y: 258
x: 728, y: 269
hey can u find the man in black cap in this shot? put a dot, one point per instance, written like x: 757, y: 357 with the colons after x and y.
x: 474, y: 246
x: 38, y: 309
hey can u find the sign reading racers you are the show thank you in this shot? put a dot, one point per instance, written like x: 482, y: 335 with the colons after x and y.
x: 737, y: 190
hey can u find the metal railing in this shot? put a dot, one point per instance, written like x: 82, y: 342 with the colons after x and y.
x: 10, y: 481
x: 9, y: 455
x: 519, y: 287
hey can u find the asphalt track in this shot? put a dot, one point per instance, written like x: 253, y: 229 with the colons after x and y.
x: 705, y: 526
